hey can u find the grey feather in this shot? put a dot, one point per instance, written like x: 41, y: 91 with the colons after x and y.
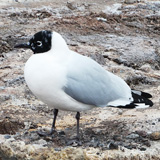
x: 89, y: 83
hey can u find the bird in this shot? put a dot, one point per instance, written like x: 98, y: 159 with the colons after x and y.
x: 67, y: 80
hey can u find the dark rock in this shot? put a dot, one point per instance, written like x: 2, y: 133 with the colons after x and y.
x: 142, y: 149
x: 147, y: 143
x: 61, y: 133
x: 129, y: 147
x: 112, y: 145
x: 117, y: 137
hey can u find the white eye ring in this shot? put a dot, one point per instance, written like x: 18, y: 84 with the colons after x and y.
x: 39, y: 43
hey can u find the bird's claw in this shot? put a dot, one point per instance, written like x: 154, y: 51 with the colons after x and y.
x: 44, y: 134
x: 74, y: 142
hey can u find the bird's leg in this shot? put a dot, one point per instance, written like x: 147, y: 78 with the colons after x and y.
x: 78, y: 117
x: 76, y: 141
x: 55, y: 112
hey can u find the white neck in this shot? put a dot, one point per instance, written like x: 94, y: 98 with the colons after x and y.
x: 58, y: 43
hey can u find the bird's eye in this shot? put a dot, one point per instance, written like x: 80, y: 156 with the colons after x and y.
x: 39, y: 43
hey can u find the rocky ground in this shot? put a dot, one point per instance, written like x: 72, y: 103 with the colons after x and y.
x: 121, y: 35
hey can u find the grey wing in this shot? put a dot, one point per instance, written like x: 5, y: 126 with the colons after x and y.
x: 88, y: 82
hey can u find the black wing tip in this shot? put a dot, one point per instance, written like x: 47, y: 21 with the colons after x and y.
x: 135, y: 105
x: 143, y: 98
x: 150, y: 103
x: 141, y: 93
x: 128, y: 106
x: 146, y: 95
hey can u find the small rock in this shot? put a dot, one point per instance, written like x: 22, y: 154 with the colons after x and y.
x: 57, y: 149
x: 147, y: 143
x: 130, y: 1
x: 27, y: 125
x: 34, y: 136
x: 133, y: 136
x: 7, y: 136
x: 155, y: 136
x: 102, y: 19
x: 94, y: 143
x: 61, y: 133
x: 41, y: 142
x: 117, y: 137
x: 134, y: 145
x: 141, y: 133
x: 112, y: 145
x: 142, y: 149
x: 146, y: 68
x: 129, y: 147
x: 74, y: 143
x: 4, y: 98
x: 102, y: 146
x: 110, y: 48
x: 120, y: 112
x: 71, y: 6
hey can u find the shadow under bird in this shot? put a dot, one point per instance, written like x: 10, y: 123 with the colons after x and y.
x: 66, y: 80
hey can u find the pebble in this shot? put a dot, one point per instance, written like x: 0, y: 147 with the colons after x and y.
x: 142, y: 149
x: 120, y: 112
x: 94, y: 143
x: 141, y: 133
x: 117, y: 137
x: 71, y: 6
x: 112, y: 145
x: 102, y: 19
x: 7, y: 136
x: 57, y: 149
x: 147, y: 143
x: 130, y: 1
x: 155, y: 136
x: 146, y: 68
x: 61, y: 133
x: 128, y: 147
x: 41, y: 142
x: 34, y: 136
x: 4, y: 98
x: 133, y: 136
x: 74, y: 143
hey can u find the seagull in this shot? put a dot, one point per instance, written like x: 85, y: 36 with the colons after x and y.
x: 66, y: 80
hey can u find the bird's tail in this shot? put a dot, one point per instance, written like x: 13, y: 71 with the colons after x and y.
x: 140, y: 100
